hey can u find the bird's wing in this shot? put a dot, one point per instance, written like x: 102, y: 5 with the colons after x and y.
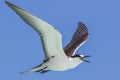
x: 51, y: 38
x: 79, y: 37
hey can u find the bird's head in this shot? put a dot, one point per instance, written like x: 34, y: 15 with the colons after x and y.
x: 81, y: 57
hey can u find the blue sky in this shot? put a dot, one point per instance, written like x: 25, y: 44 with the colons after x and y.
x: 20, y: 46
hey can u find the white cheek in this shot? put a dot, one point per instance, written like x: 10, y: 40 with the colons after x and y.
x: 69, y: 58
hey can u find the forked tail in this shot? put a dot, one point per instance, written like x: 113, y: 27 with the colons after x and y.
x: 35, y: 69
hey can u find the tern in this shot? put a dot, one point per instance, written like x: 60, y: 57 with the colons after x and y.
x: 56, y: 57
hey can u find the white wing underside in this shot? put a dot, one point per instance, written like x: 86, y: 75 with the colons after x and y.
x: 51, y: 38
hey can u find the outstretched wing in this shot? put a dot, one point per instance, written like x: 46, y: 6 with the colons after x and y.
x: 79, y: 37
x: 51, y: 38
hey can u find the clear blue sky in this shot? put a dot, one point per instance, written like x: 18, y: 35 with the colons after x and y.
x: 20, y: 46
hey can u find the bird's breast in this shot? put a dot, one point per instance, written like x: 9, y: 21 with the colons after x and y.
x: 61, y: 64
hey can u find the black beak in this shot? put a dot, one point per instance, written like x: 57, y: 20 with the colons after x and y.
x: 86, y: 57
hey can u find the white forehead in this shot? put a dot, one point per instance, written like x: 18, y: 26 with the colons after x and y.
x: 82, y: 55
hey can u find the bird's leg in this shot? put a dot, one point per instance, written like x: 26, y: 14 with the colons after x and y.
x: 41, y: 69
x: 44, y: 71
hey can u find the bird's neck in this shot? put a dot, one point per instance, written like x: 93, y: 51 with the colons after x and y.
x: 75, y: 61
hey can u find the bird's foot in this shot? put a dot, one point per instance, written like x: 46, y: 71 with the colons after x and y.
x: 44, y: 71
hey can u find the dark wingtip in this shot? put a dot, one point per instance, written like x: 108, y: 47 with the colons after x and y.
x: 81, y: 23
x: 7, y: 2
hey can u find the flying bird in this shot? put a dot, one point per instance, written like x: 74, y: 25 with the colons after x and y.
x: 56, y: 57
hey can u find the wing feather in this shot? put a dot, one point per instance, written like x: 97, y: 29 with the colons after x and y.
x: 79, y: 37
x: 50, y: 37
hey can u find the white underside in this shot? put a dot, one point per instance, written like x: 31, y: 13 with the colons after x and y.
x: 51, y: 42
x: 60, y: 64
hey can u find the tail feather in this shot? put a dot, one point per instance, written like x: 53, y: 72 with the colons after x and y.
x: 31, y: 70
x: 25, y: 71
x: 35, y: 69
